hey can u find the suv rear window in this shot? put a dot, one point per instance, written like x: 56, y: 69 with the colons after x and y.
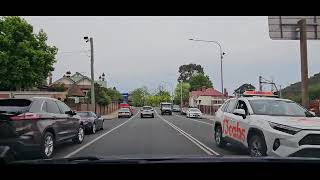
x: 15, y: 105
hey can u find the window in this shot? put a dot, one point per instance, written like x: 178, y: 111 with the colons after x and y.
x: 52, y: 107
x: 231, y: 105
x: 93, y: 115
x: 242, y: 105
x: 44, y: 107
x: 224, y: 106
x: 63, y: 107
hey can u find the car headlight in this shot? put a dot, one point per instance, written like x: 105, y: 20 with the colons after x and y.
x: 284, y: 128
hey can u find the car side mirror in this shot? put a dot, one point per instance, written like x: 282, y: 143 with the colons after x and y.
x: 240, y: 112
x: 71, y: 113
x: 98, y: 115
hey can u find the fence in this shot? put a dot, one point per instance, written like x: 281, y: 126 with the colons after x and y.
x: 100, y: 109
x: 210, y: 110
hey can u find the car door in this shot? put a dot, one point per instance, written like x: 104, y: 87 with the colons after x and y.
x: 60, y: 120
x: 72, y: 122
x: 242, y: 123
x: 229, y: 120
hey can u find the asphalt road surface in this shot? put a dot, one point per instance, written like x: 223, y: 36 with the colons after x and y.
x: 161, y: 136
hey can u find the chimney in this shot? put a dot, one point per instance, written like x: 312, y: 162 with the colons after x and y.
x: 68, y: 73
x: 203, y: 89
x: 225, y: 93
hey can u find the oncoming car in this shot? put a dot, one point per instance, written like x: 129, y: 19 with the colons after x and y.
x: 268, y: 126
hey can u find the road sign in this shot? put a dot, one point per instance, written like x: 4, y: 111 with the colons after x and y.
x: 76, y: 100
x: 287, y: 28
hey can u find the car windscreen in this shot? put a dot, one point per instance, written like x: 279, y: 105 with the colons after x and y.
x: 83, y: 114
x: 278, y: 108
x: 15, y: 105
x: 124, y: 110
x: 166, y: 105
x: 194, y: 110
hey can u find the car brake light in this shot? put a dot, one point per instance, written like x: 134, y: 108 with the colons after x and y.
x: 25, y: 116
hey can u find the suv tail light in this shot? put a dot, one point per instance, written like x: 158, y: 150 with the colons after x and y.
x: 25, y: 116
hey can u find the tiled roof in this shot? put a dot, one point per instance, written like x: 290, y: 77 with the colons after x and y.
x: 206, y: 92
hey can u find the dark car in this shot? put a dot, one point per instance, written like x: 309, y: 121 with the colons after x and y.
x: 91, y: 121
x: 34, y: 126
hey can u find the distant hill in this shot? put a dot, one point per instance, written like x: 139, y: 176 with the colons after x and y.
x: 294, y: 90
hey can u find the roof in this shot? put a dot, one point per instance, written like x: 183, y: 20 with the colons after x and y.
x: 261, y: 98
x: 207, y: 92
x: 74, y: 90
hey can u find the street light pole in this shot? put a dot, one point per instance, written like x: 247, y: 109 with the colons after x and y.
x: 221, y: 57
x: 181, y: 103
x: 92, y: 74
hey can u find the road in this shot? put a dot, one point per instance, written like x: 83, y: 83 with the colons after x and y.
x: 161, y: 136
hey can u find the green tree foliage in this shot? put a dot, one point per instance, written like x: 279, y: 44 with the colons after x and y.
x: 59, y: 87
x: 188, y: 70
x: 185, y: 93
x: 138, y: 96
x: 25, y: 57
x: 105, y: 96
x: 244, y: 87
x: 200, y: 80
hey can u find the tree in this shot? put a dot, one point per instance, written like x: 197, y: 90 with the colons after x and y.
x: 138, y: 96
x: 244, y: 87
x: 59, y: 87
x: 25, y: 57
x: 200, y: 80
x: 185, y: 93
x: 104, y: 96
x: 187, y: 71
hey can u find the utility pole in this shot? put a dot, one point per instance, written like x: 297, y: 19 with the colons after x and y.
x: 181, y: 103
x: 304, y: 63
x: 92, y: 77
x: 260, y: 83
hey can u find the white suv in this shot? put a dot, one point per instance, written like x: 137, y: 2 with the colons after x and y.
x: 268, y: 126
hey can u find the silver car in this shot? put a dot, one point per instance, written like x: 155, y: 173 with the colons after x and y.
x: 146, y: 111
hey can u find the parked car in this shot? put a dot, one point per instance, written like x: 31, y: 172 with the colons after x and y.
x: 124, y: 112
x: 34, y: 126
x: 193, y: 112
x: 91, y: 121
x: 176, y: 108
x: 184, y: 111
x: 146, y: 111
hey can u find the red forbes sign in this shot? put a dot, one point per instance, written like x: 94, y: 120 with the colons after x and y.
x: 233, y: 130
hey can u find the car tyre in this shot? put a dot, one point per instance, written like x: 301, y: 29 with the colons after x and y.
x: 257, y: 146
x: 102, y: 125
x: 220, y: 142
x: 47, y: 145
x: 141, y: 116
x: 93, y: 128
x: 152, y: 116
x: 78, y: 139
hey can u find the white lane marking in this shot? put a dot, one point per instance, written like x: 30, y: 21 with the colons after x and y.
x: 191, y: 138
x: 99, y: 137
x: 194, y: 120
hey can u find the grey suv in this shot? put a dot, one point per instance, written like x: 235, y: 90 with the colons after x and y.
x: 34, y: 126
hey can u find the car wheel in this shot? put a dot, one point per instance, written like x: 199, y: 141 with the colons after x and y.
x: 93, y: 128
x: 141, y: 116
x: 102, y: 125
x: 47, y: 146
x: 152, y: 116
x: 220, y: 142
x: 257, y: 146
x: 80, y: 135
x: 119, y: 117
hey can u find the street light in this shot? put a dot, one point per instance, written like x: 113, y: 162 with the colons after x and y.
x: 221, y: 56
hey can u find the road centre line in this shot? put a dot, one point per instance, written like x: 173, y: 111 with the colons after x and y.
x: 194, y: 120
x: 97, y: 138
x: 202, y: 146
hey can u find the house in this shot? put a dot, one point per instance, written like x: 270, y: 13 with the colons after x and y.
x: 207, y: 97
x: 81, y: 81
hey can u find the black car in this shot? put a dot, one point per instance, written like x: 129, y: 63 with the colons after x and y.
x: 34, y: 126
x: 91, y: 121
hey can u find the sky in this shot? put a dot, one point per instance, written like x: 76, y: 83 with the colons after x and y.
x: 147, y: 51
